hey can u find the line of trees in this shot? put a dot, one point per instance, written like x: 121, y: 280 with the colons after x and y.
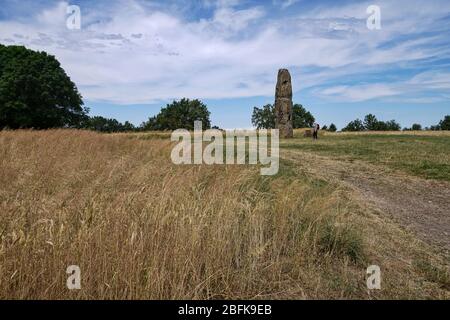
x: 371, y: 123
x: 180, y: 115
x: 331, y: 128
x: 176, y: 115
x: 264, y: 118
x: 36, y: 92
x: 444, y: 124
x: 101, y: 124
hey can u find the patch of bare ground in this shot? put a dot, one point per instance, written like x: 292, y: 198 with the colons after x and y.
x: 419, y: 205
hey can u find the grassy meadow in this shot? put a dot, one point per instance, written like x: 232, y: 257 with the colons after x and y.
x: 425, y: 154
x: 141, y: 227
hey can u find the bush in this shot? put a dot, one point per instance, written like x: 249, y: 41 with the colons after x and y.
x: 371, y: 123
x: 180, y: 115
x: 332, y: 128
x: 102, y: 124
x: 355, y: 125
x: 391, y: 125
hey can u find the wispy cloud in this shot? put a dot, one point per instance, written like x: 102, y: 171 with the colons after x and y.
x: 411, y: 90
x: 359, y: 92
x: 285, y: 3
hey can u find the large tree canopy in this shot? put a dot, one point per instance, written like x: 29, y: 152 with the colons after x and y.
x: 264, y: 118
x: 180, y: 115
x: 35, y: 92
x: 444, y: 124
x: 355, y: 125
x: 301, y: 118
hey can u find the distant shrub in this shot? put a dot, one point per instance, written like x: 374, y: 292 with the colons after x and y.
x: 332, y: 128
x: 355, y: 125
x: 371, y: 123
x: 102, y: 124
x: 445, y: 123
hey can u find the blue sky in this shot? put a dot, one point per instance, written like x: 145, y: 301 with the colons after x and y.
x: 130, y: 58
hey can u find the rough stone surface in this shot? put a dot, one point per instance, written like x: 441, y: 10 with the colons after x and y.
x: 283, y: 104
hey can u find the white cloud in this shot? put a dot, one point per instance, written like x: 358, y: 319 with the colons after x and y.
x: 360, y: 92
x: 410, y: 90
x: 54, y: 16
x: 432, y: 80
x: 229, y: 19
x: 285, y: 3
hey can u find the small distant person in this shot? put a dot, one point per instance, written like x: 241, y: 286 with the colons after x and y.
x: 316, y: 128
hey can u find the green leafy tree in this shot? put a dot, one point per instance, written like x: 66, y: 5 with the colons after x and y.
x: 391, y: 125
x: 35, y: 92
x: 301, y: 118
x: 435, y: 128
x: 102, y: 124
x: 445, y: 123
x: 128, y: 127
x: 332, y: 128
x: 180, y: 115
x: 371, y: 122
x: 416, y: 127
x: 355, y: 125
x: 264, y: 118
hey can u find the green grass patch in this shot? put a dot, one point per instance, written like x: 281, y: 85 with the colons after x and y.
x: 433, y: 273
x: 424, y: 156
x: 339, y: 240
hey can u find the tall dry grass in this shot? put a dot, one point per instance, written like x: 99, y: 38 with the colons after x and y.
x: 140, y: 227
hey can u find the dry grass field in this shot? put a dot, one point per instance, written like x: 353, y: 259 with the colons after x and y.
x: 141, y: 227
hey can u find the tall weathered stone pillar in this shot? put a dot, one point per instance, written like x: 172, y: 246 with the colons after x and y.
x: 283, y: 104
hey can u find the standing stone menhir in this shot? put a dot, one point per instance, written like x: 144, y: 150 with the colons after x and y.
x: 283, y: 104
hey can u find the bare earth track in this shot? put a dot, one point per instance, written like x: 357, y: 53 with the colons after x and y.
x: 420, y: 205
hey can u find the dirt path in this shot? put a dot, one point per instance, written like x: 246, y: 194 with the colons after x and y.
x: 420, y: 205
